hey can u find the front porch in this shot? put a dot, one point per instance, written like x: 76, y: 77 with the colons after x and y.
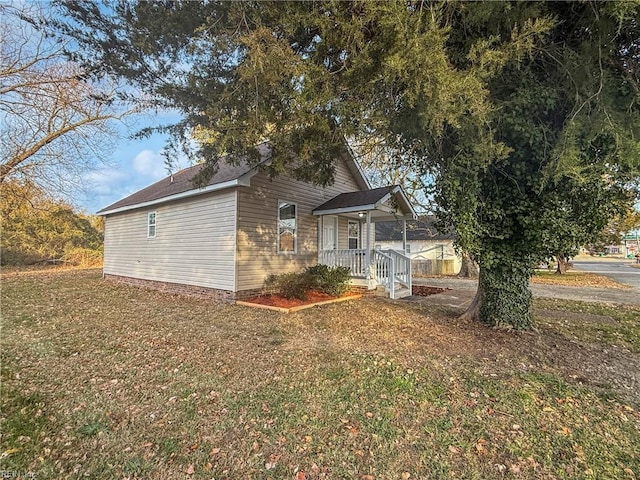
x: 388, y: 268
x: 346, y: 238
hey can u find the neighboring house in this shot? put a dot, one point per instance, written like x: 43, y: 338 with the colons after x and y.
x: 224, y: 239
x: 629, y: 246
x: 425, y: 245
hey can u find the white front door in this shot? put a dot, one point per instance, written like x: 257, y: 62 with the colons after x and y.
x: 329, y: 233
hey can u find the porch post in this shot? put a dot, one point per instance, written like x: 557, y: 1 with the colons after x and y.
x: 367, y: 253
x: 404, y: 236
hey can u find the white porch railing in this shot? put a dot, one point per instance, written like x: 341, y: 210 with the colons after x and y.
x: 355, y: 260
x: 383, y: 269
x: 388, y: 267
x: 392, y: 267
x: 402, y: 270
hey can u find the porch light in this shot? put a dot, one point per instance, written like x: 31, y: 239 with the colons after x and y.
x: 361, y: 214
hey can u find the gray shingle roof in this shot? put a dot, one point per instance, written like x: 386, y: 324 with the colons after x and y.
x: 181, y: 183
x: 355, y: 199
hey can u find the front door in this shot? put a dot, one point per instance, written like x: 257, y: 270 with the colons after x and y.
x: 329, y: 233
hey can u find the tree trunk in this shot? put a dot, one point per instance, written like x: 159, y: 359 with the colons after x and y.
x: 468, y: 269
x: 503, y: 298
x: 563, y: 263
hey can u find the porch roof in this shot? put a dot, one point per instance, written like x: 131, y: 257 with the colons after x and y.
x: 378, y: 201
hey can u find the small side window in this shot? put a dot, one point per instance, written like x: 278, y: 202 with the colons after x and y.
x: 151, y: 225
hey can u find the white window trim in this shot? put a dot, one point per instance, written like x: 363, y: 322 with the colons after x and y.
x: 155, y: 224
x: 349, y: 237
x: 295, y: 233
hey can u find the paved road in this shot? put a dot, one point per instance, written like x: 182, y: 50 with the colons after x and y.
x: 620, y: 270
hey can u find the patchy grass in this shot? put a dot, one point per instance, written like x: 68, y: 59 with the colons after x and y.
x: 575, y: 278
x: 105, y: 381
x: 617, y: 325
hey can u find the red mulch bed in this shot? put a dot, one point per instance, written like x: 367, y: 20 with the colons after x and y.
x: 274, y: 300
x: 424, y: 291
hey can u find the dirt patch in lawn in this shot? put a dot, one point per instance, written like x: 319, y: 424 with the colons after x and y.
x: 572, y: 316
x: 581, y: 358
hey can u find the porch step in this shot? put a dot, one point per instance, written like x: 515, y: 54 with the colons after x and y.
x: 381, y: 291
x: 402, y: 292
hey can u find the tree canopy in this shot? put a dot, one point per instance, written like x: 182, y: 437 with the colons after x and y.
x: 527, y: 114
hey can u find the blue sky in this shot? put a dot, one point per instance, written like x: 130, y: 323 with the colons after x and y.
x: 131, y: 166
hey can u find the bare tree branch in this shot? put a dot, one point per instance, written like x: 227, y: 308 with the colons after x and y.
x: 55, y: 125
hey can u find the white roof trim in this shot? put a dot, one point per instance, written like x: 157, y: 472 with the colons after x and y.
x: 359, y: 208
x: 189, y: 193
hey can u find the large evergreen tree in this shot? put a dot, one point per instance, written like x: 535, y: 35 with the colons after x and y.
x: 526, y: 113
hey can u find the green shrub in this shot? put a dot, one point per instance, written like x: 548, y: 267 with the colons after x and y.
x: 291, y: 285
x: 330, y: 280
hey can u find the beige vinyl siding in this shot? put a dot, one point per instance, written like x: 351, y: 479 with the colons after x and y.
x: 257, y: 254
x: 343, y: 233
x: 194, y: 242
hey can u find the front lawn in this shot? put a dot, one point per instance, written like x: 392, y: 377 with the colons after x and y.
x: 103, y: 381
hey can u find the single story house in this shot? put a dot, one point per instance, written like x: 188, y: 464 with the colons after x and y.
x: 224, y: 239
x: 430, y: 250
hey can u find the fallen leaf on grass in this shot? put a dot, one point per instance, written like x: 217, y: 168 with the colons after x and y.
x: 453, y: 449
x: 566, y: 431
x: 11, y: 451
x: 480, y: 447
x: 190, y: 469
x: 301, y: 475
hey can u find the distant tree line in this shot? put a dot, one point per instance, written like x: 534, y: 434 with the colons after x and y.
x: 37, y: 228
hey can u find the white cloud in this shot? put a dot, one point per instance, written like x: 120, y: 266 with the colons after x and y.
x: 105, y: 181
x: 136, y: 170
x: 150, y: 164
